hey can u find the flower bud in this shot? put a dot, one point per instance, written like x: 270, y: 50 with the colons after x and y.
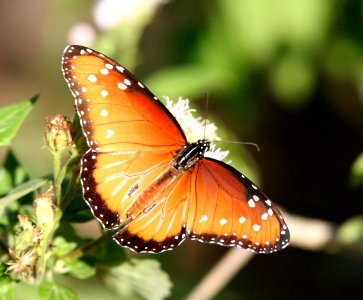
x: 44, y: 211
x: 58, y: 133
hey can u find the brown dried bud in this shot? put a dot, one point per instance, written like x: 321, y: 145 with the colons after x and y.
x: 58, y: 132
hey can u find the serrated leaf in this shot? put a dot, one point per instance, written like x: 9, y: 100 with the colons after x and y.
x: 140, y: 277
x: 21, y: 191
x: 11, y: 118
x: 55, y: 291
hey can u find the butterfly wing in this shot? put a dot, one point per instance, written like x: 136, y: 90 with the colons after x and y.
x: 164, y: 226
x: 112, y: 181
x: 132, y: 137
x: 117, y: 112
x: 228, y: 209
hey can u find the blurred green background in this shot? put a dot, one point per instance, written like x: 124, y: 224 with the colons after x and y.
x: 285, y: 74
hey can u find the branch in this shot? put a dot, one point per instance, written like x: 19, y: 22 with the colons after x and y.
x: 308, y: 234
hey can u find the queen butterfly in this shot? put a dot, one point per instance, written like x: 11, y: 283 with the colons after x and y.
x: 142, y: 177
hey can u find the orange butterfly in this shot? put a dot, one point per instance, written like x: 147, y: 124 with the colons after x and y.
x: 142, y: 175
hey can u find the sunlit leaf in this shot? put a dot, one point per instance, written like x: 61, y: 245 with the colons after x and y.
x: 55, y: 291
x: 11, y: 118
x: 20, y: 191
x: 351, y: 231
x: 6, y: 286
x: 79, y: 268
x: 140, y: 277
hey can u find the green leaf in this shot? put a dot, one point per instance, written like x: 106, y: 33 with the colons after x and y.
x: 6, y: 286
x: 356, y: 173
x: 351, y: 231
x: 79, y: 268
x: 11, y: 173
x: 77, y: 211
x: 21, y: 191
x: 55, y: 291
x: 62, y: 246
x: 107, y: 254
x: 140, y: 277
x: 6, y: 182
x: 6, y: 290
x: 11, y: 118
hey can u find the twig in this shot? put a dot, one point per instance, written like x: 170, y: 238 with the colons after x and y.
x: 309, y: 234
x: 221, y: 274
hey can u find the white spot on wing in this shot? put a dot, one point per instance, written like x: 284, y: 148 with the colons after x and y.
x: 256, y: 227
x: 251, y: 203
x: 92, y: 78
x: 242, y: 220
x: 121, y: 69
x: 122, y: 86
x: 223, y: 221
x: 203, y: 219
x: 264, y: 216
x: 109, y: 133
x: 104, y: 93
x: 104, y: 112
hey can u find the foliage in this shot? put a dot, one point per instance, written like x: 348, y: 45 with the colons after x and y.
x: 242, y: 53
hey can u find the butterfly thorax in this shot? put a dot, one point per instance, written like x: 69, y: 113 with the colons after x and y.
x: 184, y: 160
x: 190, y: 154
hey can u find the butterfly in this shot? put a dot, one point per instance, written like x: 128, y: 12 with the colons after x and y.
x: 142, y: 177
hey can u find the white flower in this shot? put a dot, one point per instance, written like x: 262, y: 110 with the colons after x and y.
x: 81, y: 34
x: 196, y: 128
x: 108, y: 13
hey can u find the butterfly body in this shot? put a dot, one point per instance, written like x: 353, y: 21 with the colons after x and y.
x: 141, y: 172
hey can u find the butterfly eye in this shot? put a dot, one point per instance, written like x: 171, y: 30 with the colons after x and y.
x: 142, y: 177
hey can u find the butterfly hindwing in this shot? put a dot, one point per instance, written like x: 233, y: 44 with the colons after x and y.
x: 228, y: 209
x: 113, y: 181
x: 163, y: 226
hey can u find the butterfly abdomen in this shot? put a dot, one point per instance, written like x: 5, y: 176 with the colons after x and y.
x: 145, y: 201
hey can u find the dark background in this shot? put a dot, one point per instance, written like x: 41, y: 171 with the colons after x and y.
x: 287, y: 75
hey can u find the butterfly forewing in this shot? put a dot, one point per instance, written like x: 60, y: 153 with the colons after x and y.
x: 116, y: 111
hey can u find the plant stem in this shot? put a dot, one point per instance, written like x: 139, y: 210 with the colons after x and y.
x: 56, y: 171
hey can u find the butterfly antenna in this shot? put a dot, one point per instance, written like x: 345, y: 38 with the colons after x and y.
x: 241, y: 143
x: 206, y: 113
